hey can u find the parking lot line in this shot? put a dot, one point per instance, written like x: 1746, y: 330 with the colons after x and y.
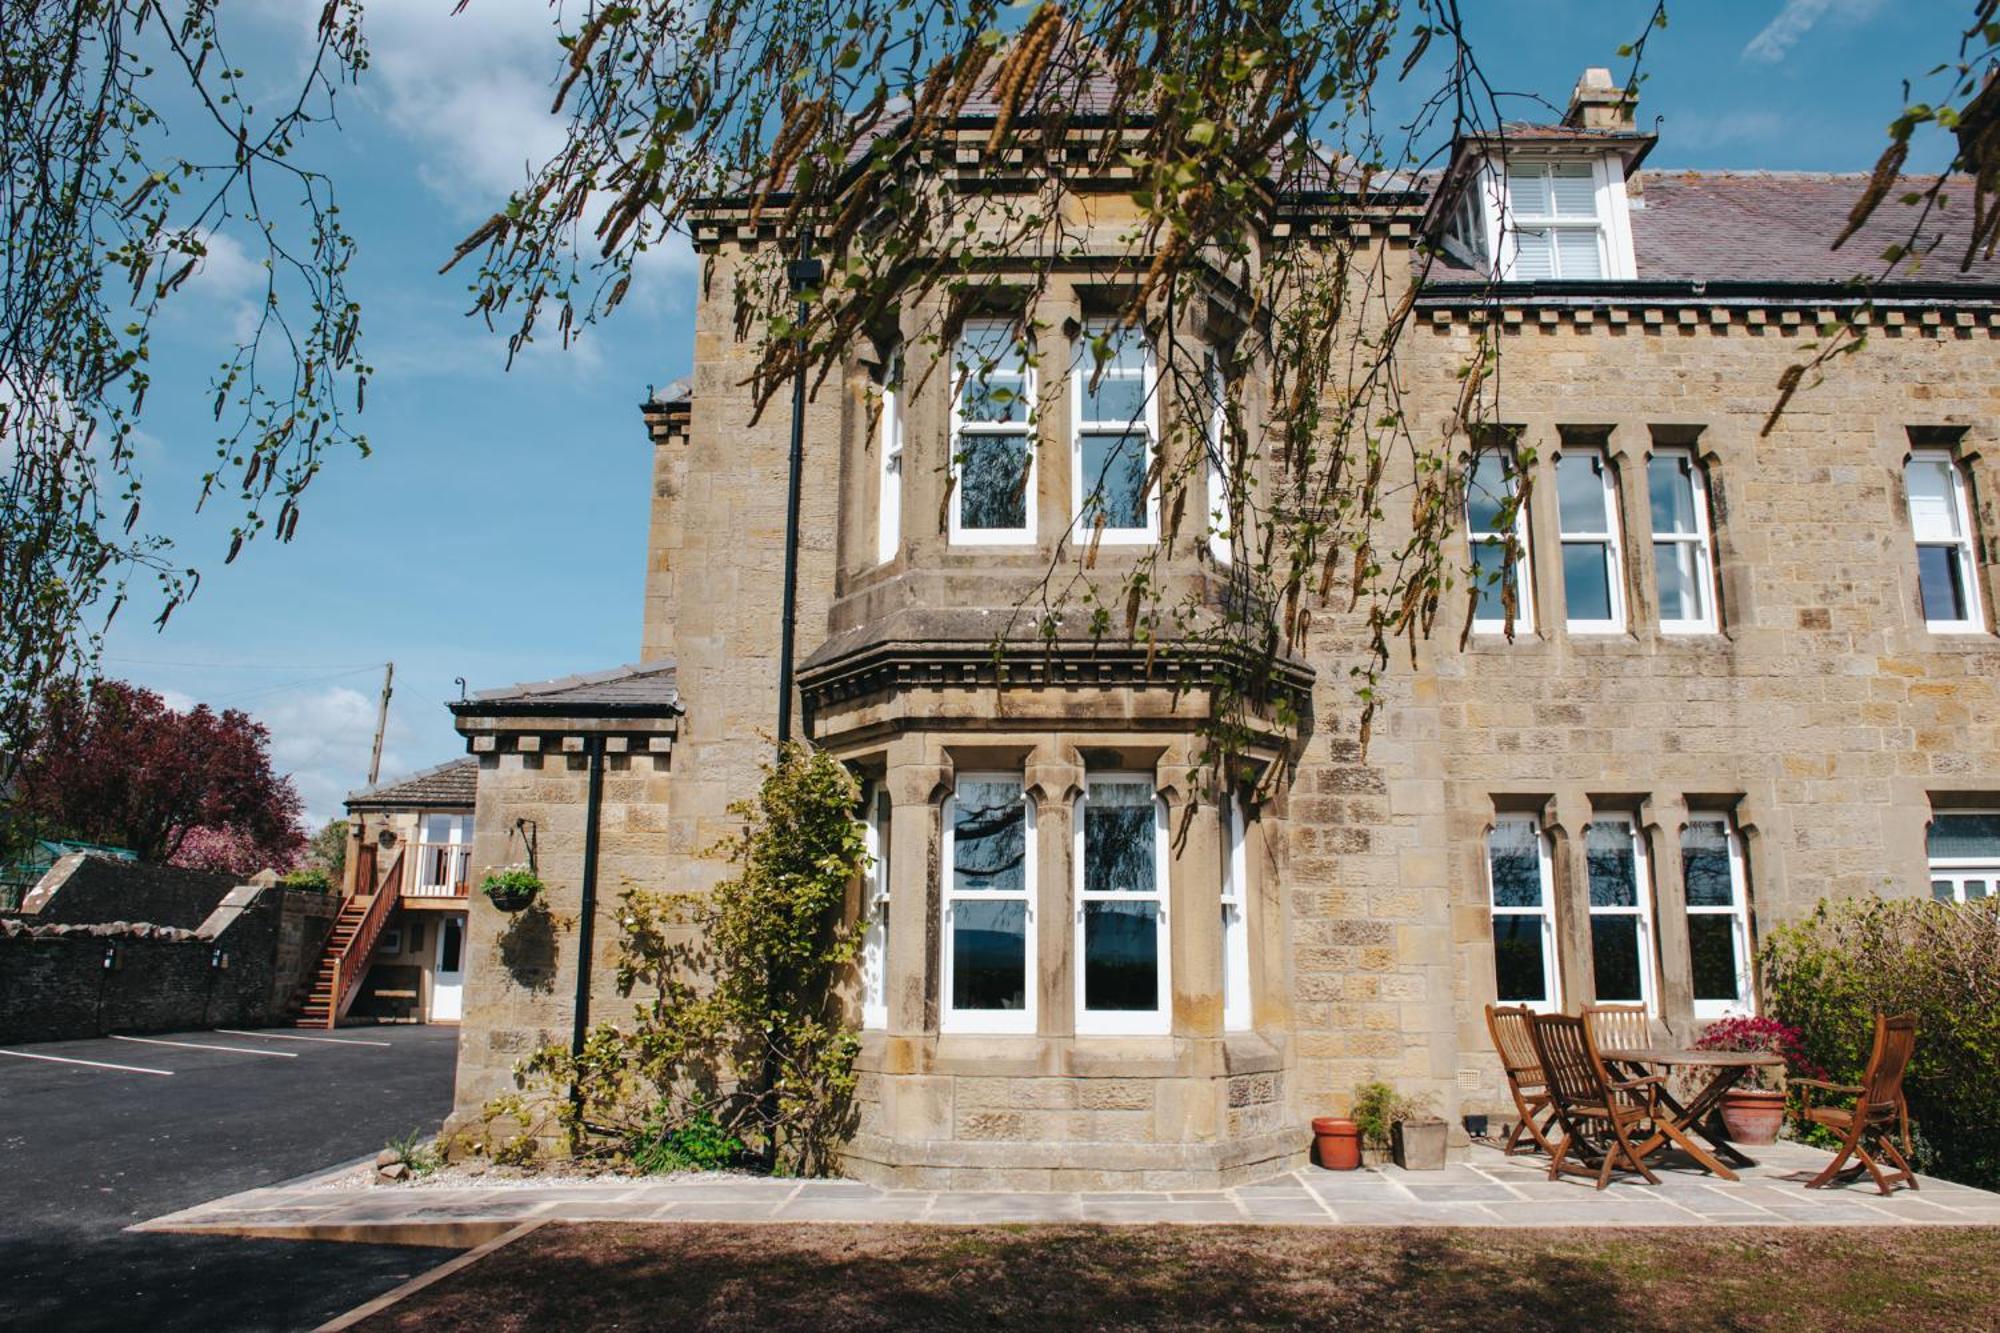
x: 94, y: 1064
x: 299, y: 1036
x: 201, y: 1046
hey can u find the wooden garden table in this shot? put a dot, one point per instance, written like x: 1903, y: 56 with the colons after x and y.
x: 1725, y: 1070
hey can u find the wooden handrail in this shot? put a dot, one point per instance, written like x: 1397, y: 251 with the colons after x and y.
x: 353, y: 964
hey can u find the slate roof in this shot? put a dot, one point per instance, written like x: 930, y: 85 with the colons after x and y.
x: 1767, y: 226
x: 449, y: 786
x: 1774, y: 227
x: 640, y: 688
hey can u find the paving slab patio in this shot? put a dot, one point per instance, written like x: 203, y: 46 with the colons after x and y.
x: 1485, y: 1190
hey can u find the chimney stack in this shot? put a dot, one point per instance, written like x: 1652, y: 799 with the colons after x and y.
x: 1600, y: 104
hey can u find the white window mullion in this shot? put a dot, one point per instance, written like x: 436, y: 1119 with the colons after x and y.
x: 1123, y: 987
x: 1236, y: 1004
x: 1947, y: 560
x: 889, y: 513
x: 1716, y: 893
x: 1521, y: 897
x: 1592, y: 552
x: 988, y: 896
x: 1621, y: 912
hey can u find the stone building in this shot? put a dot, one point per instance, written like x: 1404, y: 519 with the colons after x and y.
x: 1749, y: 670
x: 414, y: 835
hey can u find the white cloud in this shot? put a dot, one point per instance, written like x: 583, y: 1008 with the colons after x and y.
x: 1798, y: 17
x: 1702, y: 129
x: 321, y: 738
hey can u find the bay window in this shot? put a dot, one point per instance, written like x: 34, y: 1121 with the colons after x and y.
x: 1682, y: 564
x: 1592, y: 559
x: 1115, y: 436
x: 1718, y: 915
x: 1121, y: 891
x: 992, y: 437
x: 1621, y: 918
x: 1522, y: 896
x: 1495, y: 533
x: 1941, y: 521
x: 989, y: 901
x: 1964, y: 851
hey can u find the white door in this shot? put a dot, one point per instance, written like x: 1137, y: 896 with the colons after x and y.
x: 448, y: 980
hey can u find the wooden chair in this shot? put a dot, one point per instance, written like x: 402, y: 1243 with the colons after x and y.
x: 1586, y: 1096
x: 1509, y: 1026
x: 1620, y: 1027
x: 1879, y: 1110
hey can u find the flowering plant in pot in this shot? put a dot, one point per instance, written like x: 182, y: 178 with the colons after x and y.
x: 1754, y: 1110
x: 511, y: 888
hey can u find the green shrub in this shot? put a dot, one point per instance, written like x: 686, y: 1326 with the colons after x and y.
x: 313, y: 879
x: 1830, y: 974
x: 1377, y: 1108
x: 739, y: 1023
x: 699, y: 1143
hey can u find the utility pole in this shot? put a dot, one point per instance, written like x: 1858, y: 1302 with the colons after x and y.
x: 381, y: 722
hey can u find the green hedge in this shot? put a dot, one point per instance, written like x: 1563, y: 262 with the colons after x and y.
x: 1829, y: 975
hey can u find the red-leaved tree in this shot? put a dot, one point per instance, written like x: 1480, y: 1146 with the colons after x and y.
x: 114, y: 764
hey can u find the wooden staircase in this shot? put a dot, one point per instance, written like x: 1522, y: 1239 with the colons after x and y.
x: 344, y: 962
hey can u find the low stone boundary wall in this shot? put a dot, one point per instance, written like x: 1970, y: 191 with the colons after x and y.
x: 241, y: 966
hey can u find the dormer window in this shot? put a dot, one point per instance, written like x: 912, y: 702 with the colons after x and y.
x: 1544, y: 218
x: 1555, y: 221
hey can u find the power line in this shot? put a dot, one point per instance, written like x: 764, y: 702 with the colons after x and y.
x: 246, y: 666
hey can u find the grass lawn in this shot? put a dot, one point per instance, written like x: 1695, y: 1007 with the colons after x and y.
x: 782, y: 1277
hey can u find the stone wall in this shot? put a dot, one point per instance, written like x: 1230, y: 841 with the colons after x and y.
x: 242, y: 966
x: 1823, y: 714
x: 82, y: 888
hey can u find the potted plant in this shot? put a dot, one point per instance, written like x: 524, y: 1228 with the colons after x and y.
x: 1403, y: 1126
x: 511, y: 888
x: 1754, y: 1110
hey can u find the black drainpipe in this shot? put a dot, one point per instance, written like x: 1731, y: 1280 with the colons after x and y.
x: 593, y: 747
x: 803, y: 274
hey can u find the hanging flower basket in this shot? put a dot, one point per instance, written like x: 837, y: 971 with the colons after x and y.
x: 512, y: 888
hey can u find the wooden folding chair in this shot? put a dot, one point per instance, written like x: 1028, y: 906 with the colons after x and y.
x: 1509, y: 1027
x: 1879, y: 1110
x: 1586, y: 1096
x: 1619, y: 1027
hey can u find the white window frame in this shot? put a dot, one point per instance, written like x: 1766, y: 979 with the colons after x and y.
x: 1958, y: 870
x: 1083, y: 368
x: 454, y: 852
x: 1524, y: 582
x: 1701, y: 542
x: 1974, y: 620
x: 1610, y: 221
x: 875, y: 890
x: 1551, y: 1003
x: 1235, y: 896
x: 1611, y: 538
x: 1028, y: 430
x: 1642, y: 910
x: 1738, y: 913
x: 1012, y: 1021
x: 1126, y: 1022
x: 1221, y: 535
x: 889, y: 503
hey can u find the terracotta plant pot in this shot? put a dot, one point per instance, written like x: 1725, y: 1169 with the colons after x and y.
x: 1752, y: 1116
x: 1418, y: 1145
x: 1337, y: 1142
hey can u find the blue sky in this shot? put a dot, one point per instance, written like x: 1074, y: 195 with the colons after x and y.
x: 498, y: 531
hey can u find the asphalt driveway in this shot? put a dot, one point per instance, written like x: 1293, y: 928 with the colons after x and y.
x: 86, y: 1150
